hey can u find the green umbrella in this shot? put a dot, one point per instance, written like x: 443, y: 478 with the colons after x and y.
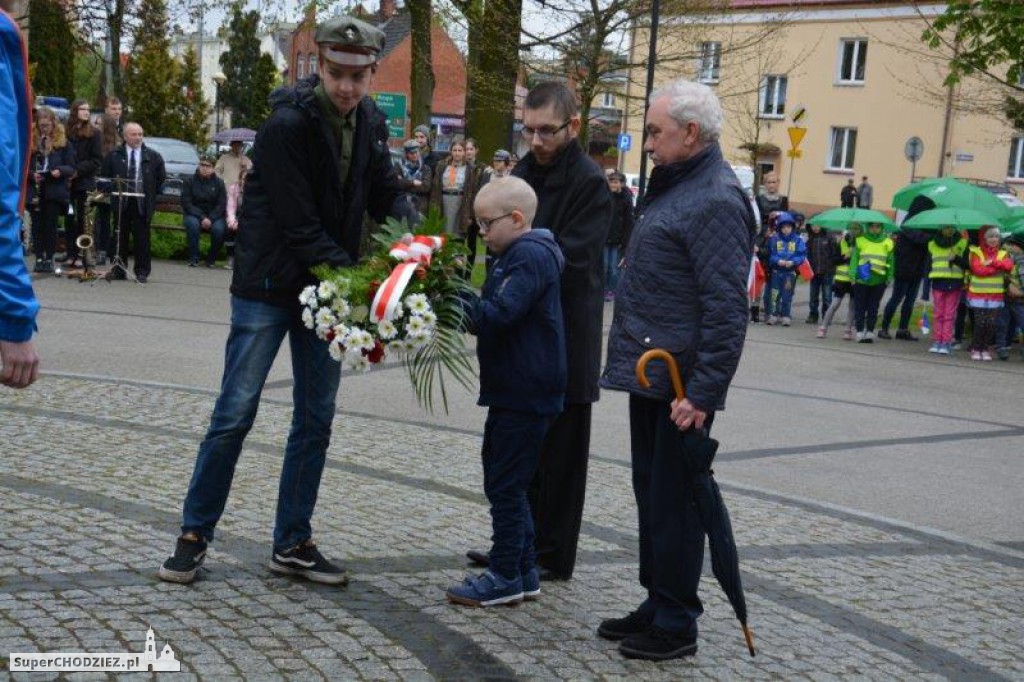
x: 960, y: 218
x: 951, y: 193
x: 840, y: 218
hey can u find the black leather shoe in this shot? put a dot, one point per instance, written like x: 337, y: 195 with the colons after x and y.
x: 656, y: 644
x: 547, y: 575
x: 616, y: 629
x: 479, y: 558
x: 142, y: 279
x: 905, y: 335
x: 884, y: 334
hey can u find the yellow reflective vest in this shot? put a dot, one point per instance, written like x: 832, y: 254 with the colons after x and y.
x: 990, y: 285
x: 941, y: 257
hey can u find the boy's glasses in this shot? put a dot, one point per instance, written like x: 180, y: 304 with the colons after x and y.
x: 544, y: 134
x: 485, y: 223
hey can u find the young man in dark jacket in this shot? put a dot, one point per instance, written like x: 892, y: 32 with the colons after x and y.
x: 911, y: 257
x: 521, y: 348
x: 683, y: 289
x: 618, y: 232
x: 317, y: 158
x: 574, y: 202
x: 204, y: 202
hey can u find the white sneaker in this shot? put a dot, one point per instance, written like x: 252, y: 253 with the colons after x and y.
x: 772, y: 320
x: 861, y: 336
x: 934, y: 348
x: 786, y: 322
x: 870, y: 336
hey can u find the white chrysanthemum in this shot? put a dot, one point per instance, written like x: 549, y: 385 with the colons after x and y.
x: 357, y: 362
x: 415, y: 326
x: 340, y: 331
x: 325, y: 317
x: 386, y: 330
x: 327, y: 290
x: 341, y: 307
x: 359, y: 340
x: 308, y: 294
x: 307, y: 318
x: 417, y: 303
x: 396, y: 346
x: 430, y: 318
x: 418, y: 341
x: 336, y: 350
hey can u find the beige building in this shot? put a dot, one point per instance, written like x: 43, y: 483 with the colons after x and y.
x: 864, y: 82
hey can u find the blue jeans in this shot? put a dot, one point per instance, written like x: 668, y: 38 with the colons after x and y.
x: 611, y: 267
x: 257, y: 330
x: 192, y: 229
x: 904, y: 290
x: 510, y: 453
x: 782, y: 284
x: 821, y: 288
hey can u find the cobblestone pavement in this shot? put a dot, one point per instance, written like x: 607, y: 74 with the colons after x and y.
x: 94, y: 472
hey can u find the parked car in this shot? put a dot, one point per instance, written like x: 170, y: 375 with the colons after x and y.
x: 181, y: 161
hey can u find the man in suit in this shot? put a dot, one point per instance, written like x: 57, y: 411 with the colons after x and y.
x: 141, y: 171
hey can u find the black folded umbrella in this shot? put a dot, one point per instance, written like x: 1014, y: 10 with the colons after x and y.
x: 698, y: 450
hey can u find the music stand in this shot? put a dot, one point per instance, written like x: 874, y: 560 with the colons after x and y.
x: 119, y: 189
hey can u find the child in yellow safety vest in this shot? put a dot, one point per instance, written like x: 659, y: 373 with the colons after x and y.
x: 989, y: 266
x: 946, y: 253
x: 842, y: 285
x: 871, y: 268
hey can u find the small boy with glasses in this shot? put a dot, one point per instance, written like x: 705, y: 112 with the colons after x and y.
x: 521, y: 349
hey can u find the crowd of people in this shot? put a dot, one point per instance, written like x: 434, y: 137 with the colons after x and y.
x: 964, y: 278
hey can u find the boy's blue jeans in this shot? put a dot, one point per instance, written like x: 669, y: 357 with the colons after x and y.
x: 510, y: 453
x: 782, y: 284
x: 821, y: 291
x: 257, y: 330
x: 611, y: 267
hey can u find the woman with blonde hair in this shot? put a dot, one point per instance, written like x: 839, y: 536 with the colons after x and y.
x: 50, y: 170
x: 85, y: 140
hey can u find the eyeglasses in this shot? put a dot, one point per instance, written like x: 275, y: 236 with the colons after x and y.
x: 544, y: 134
x: 485, y: 223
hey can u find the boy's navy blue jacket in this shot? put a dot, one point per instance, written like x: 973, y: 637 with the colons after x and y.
x: 789, y: 248
x: 520, y: 328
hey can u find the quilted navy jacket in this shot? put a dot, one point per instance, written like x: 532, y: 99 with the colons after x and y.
x: 683, y: 286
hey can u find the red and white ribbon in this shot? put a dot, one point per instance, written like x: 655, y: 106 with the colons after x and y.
x: 414, y: 252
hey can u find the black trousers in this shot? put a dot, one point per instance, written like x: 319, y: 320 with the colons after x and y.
x: 134, y: 224
x: 671, y: 534
x: 558, y: 489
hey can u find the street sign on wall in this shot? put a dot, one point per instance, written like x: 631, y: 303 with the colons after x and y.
x: 625, y: 141
x: 394, y: 106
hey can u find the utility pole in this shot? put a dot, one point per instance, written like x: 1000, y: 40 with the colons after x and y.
x: 651, y: 58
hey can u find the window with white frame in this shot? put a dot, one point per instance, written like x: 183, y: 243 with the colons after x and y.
x: 608, y: 100
x: 312, y: 63
x: 772, y: 97
x: 710, y: 62
x: 853, y: 58
x: 844, y: 148
x: 300, y: 68
x: 1016, y: 167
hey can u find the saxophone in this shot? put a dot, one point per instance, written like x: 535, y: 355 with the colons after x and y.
x: 86, y: 242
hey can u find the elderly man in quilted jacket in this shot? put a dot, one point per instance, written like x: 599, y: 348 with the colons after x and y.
x: 683, y: 289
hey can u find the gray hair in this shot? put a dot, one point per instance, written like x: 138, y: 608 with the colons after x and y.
x: 689, y: 101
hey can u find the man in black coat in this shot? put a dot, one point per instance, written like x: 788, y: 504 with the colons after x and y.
x: 141, y: 172
x: 204, y: 201
x: 321, y: 161
x: 574, y: 202
x: 911, y: 257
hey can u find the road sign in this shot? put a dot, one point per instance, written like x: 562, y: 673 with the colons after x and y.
x: 799, y: 115
x: 796, y: 136
x: 393, y: 104
x: 625, y: 141
x: 795, y: 153
x: 914, y: 149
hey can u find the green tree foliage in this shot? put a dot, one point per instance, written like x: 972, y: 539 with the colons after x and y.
x: 189, y: 110
x: 51, y: 49
x: 985, y: 36
x: 88, y: 65
x: 151, y: 80
x: 250, y: 75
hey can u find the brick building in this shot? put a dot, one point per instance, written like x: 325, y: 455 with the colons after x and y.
x: 395, y: 70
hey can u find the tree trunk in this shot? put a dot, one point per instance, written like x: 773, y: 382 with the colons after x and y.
x: 420, y: 14
x: 494, y: 60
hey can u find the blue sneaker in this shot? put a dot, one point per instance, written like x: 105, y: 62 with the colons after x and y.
x: 531, y: 584
x: 486, y: 589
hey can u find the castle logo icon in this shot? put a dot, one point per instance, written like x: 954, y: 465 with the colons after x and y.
x: 166, y: 662
x: 148, y: 660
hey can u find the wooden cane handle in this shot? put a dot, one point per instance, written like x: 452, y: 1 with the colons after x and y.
x: 673, y: 370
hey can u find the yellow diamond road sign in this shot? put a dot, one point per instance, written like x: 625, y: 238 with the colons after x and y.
x: 796, y: 136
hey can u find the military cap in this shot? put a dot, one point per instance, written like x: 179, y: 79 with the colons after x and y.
x: 502, y: 155
x: 411, y: 146
x: 349, y: 41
